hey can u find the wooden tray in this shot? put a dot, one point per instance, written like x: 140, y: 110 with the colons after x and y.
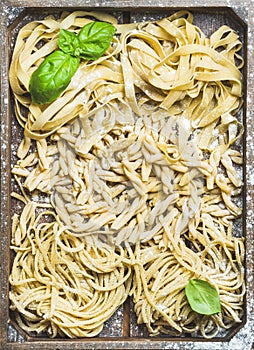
x: 121, y: 331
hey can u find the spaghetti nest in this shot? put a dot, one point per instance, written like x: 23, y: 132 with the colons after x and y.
x: 139, y: 161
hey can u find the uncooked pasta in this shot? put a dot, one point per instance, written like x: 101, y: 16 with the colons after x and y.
x: 140, y: 174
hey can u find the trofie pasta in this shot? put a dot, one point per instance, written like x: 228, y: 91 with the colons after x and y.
x: 139, y: 170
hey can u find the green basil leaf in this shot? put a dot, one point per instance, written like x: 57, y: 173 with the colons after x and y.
x: 52, y: 77
x: 95, y: 38
x: 55, y: 73
x: 68, y: 42
x: 202, y: 297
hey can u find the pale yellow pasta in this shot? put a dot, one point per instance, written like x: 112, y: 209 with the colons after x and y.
x: 64, y: 286
x: 139, y: 177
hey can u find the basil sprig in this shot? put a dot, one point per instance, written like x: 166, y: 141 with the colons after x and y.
x: 202, y: 297
x: 54, y: 74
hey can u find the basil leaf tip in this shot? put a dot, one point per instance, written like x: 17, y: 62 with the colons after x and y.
x: 202, y: 297
x: 54, y: 74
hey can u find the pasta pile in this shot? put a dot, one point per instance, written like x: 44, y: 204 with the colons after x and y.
x: 60, y: 287
x: 138, y: 164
